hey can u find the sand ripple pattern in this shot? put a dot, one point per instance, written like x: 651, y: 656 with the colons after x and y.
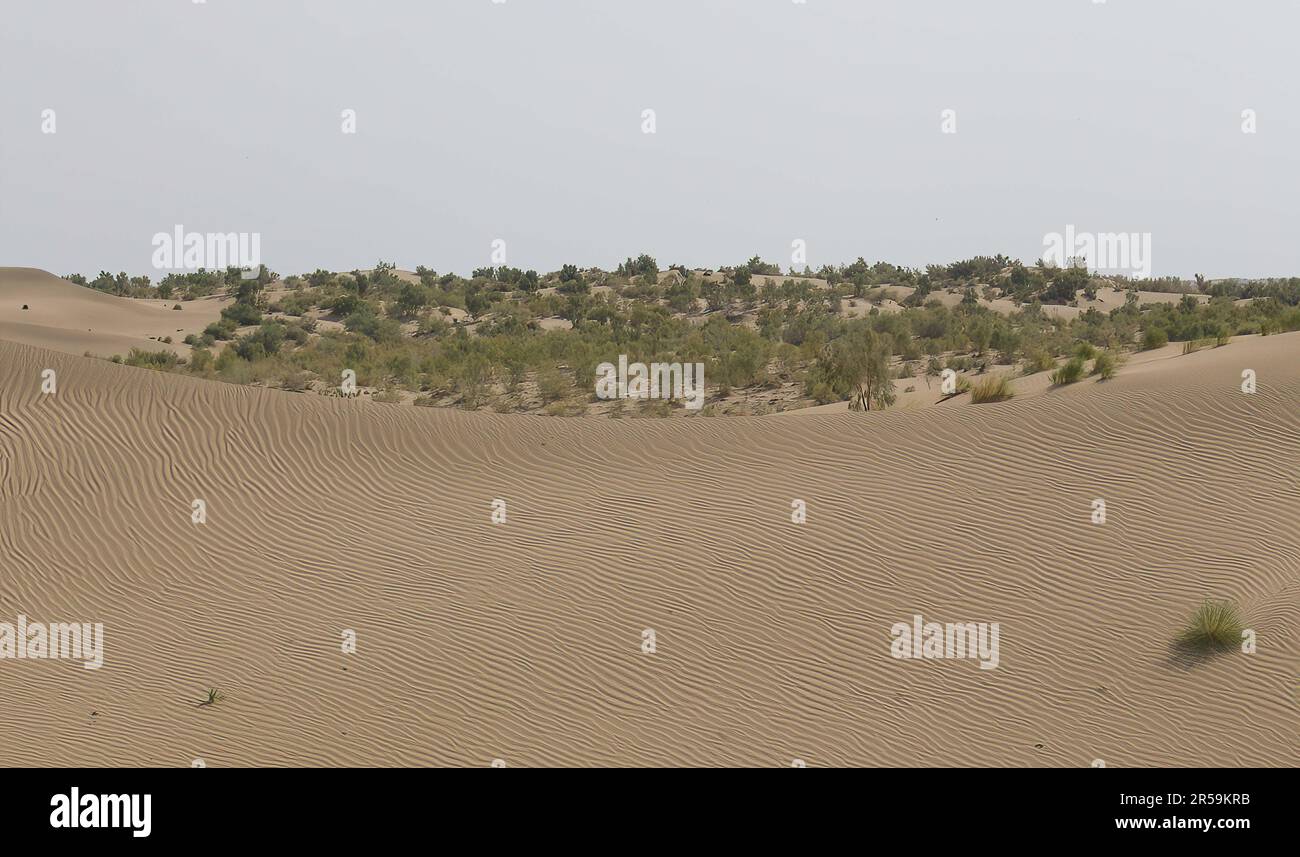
x: 523, y: 641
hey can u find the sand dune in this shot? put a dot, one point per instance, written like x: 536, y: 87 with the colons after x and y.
x: 522, y: 641
x: 74, y: 319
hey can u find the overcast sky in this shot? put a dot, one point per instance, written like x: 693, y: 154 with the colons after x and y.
x: 522, y: 121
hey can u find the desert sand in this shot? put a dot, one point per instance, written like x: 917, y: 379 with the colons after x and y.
x: 522, y: 641
x: 63, y: 316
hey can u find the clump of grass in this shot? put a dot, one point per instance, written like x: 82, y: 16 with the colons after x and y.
x: 994, y: 388
x: 1086, y: 350
x: 214, y: 696
x: 1216, y: 625
x: 1104, y: 366
x: 1069, y: 372
x: 1038, y: 361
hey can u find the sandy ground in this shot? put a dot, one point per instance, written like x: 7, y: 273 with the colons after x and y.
x: 920, y: 392
x: 522, y: 641
x: 74, y: 319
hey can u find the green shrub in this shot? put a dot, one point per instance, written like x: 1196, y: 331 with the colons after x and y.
x: 1216, y: 625
x: 1069, y: 372
x: 200, y: 360
x: 224, y: 329
x: 152, y: 359
x: 295, y: 382
x: 553, y: 386
x: 1154, y: 338
x: 1038, y: 361
x: 1104, y: 365
x: 242, y: 314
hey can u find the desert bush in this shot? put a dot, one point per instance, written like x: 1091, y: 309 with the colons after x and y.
x: 242, y: 314
x: 234, y: 371
x: 1038, y: 361
x: 994, y: 388
x: 472, y: 383
x: 224, y: 329
x: 1069, y: 372
x: 1154, y: 338
x: 553, y: 386
x: 152, y: 359
x: 295, y: 382
x: 1104, y: 365
x: 1214, y: 625
x: 200, y: 360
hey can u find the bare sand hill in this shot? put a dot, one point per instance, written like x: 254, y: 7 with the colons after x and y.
x: 63, y: 316
x: 522, y: 641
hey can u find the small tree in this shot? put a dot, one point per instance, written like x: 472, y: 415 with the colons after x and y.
x: 856, y: 367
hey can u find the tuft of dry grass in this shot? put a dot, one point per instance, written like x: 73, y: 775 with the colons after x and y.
x: 994, y: 388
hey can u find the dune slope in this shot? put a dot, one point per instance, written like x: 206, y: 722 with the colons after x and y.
x: 37, y: 308
x: 522, y: 641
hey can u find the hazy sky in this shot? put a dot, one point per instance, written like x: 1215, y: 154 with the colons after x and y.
x: 522, y: 121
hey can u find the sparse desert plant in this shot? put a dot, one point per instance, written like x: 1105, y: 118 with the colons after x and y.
x: 994, y: 388
x: 1038, y: 361
x: 654, y: 408
x: 295, y: 382
x: 200, y: 360
x: 214, y: 696
x: 1216, y: 625
x: 1069, y: 372
x: 1104, y: 365
x: 152, y: 359
x: 553, y: 386
x: 1086, y: 350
